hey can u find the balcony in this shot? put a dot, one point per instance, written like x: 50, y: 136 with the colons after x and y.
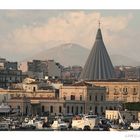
x: 135, y: 93
x: 125, y: 93
x: 116, y: 93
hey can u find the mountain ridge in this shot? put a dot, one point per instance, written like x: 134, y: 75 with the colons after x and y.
x: 69, y: 54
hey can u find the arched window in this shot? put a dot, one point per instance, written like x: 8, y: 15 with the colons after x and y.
x: 72, y: 97
x: 125, y: 90
x: 134, y: 91
x: 80, y: 97
x: 34, y: 89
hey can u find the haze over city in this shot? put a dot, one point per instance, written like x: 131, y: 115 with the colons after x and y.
x: 24, y: 33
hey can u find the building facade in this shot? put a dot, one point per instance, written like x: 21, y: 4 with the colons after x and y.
x: 92, y: 97
x: 10, y: 77
x: 120, y: 90
x: 41, y: 69
x: 126, y: 116
x: 79, y: 98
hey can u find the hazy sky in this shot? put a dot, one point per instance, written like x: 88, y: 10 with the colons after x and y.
x: 24, y: 33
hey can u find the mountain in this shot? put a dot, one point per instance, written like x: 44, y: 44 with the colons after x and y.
x: 69, y: 54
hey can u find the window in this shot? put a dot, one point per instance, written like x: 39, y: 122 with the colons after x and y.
x: 60, y: 109
x: 51, y: 109
x: 107, y: 90
x: 68, y: 109
x: 42, y: 108
x: 64, y: 97
x: 80, y: 97
x: 102, y: 98
x: 115, y: 90
x: 18, y: 107
x: 125, y: 90
x: 81, y: 110
x: 4, y: 98
x: 90, y: 97
x: 134, y: 91
x: 101, y: 109
x: 96, y: 98
x: 90, y: 108
x: 72, y: 109
x: 107, y: 116
x: 72, y: 97
x: 26, y: 110
x: 110, y: 108
x: 96, y: 110
x: 34, y: 89
x: 76, y: 110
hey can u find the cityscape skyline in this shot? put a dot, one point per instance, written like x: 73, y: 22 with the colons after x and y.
x: 48, y: 95
x: 37, y: 38
x: 24, y: 33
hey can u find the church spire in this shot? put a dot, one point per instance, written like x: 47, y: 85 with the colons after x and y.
x: 98, y: 65
x: 99, y: 34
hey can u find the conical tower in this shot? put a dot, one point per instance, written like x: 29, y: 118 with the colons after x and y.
x: 98, y: 65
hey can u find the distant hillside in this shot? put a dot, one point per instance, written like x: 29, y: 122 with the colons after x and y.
x: 67, y: 54
x: 73, y: 54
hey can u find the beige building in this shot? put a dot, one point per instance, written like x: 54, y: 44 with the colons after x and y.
x: 36, y: 105
x: 92, y: 97
x: 79, y: 98
x: 126, y: 116
x: 121, y: 91
x: 9, y: 94
x: 23, y: 104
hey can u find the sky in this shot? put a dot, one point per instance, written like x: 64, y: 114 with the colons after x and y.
x: 24, y: 33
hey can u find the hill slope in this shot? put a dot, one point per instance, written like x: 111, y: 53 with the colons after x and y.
x: 67, y: 54
x: 73, y: 54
